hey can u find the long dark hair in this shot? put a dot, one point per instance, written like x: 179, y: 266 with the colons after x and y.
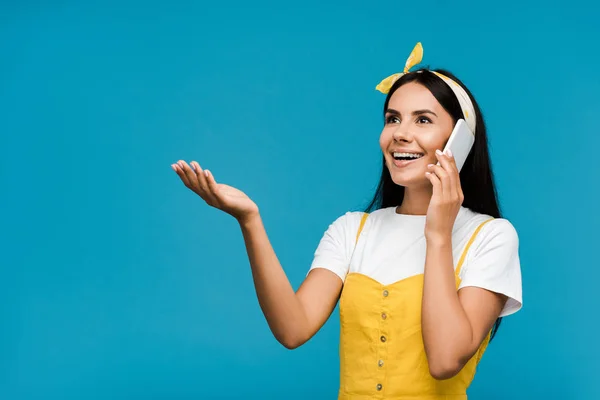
x: 476, y: 177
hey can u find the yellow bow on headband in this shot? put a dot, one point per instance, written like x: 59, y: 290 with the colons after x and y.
x: 413, y: 59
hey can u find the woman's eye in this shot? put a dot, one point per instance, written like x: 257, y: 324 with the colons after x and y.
x: 392, y: 119
x: 423, y: 120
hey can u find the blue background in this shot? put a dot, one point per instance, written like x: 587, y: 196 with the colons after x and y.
x: 119, y: 283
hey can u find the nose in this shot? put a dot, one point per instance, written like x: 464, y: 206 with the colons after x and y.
x: 401, y: 134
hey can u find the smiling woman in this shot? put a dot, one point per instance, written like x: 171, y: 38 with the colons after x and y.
x: 423, y: 277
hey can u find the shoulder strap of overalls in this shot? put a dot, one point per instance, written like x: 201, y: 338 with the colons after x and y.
x: 362, y: 224
x: 469, y: 243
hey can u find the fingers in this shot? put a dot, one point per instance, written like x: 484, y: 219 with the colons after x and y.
x: 200, y: 181
x: 182, y: 175
x: 443, y: 176
x: 189, y: 173
x: 436, y: 183
x: 200, y: 176
x: 212, y: 184
x: 449, y: 166
x: 450, y: 176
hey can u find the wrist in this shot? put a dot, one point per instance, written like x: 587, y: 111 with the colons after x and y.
x: 438, y: 239
x: 247, y: 221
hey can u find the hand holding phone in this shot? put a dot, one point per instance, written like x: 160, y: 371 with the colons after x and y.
x: 460, y: 143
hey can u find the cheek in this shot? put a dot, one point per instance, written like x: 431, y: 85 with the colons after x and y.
x: 430, y: 143
x: 384, y: 140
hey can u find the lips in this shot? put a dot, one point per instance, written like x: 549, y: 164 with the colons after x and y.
x: 404, y: 163
x: 406, y: 155
x: 402, y: 158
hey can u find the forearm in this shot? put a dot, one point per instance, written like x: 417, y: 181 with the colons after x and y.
x: 278, y: 301
x: 447, y: 333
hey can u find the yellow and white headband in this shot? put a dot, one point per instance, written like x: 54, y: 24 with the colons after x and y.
x: 463, y: 98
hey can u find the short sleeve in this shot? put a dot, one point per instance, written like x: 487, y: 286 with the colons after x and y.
x: 493, y: 264
x: 337, y: 244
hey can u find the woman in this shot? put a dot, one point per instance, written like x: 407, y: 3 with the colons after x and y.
x: 423, y: 278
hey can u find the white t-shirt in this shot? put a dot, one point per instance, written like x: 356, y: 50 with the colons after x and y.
x: 392, y: 247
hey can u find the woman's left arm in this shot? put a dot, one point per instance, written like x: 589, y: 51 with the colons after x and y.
x: 454, y: 323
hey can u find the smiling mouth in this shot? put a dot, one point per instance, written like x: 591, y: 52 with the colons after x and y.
x: 407, y: 156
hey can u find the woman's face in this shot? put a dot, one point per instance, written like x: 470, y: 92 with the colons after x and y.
x: 416, y: 125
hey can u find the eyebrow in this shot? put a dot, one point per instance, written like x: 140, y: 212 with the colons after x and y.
x: 416, y: 112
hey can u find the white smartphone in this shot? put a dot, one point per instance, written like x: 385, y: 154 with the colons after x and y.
x: 460, y: 143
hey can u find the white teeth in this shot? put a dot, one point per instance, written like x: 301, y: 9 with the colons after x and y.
x: 407, y: 155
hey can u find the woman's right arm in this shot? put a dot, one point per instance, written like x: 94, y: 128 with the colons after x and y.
x: 293, y: 317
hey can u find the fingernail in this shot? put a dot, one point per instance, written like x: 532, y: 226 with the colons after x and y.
x: 438, y: 152
x: 427, y: 173
x: 206, y: 172
x: 193, y: 167
x: 429, y: 165
x: 173, y: 167
x: 449, y: 152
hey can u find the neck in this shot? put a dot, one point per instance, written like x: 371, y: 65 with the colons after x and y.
x: 416, y: 200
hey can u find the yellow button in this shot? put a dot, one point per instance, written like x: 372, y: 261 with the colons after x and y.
x: 383, y: 316
x: 379, y: 386
x: 380, y: 363
x: 383, y: 339
x: 385, y: 293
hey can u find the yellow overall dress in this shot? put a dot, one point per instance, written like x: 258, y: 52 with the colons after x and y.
x: 382, y: 355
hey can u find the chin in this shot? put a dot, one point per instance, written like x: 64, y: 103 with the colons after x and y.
x: 402, y: 181
x: 407, y: 178
x: 410, y: 175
